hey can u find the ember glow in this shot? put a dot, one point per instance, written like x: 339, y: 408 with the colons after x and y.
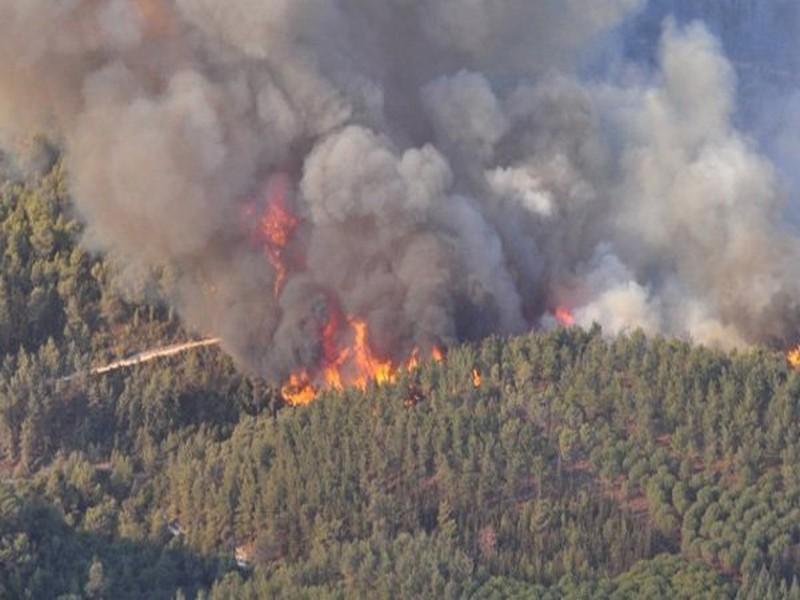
x: 477, y: 380
x: 277, y: 226
x: 793, y: 357
x: 564, y: 316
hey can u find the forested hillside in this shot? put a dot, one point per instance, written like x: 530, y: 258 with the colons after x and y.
x: 560, y: 464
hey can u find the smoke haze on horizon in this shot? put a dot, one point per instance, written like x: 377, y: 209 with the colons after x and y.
x: 459, y: 168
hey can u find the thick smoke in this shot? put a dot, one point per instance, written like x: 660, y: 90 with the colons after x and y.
x: 459, y: 168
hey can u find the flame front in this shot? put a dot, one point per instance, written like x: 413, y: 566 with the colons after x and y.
x: 348, y: 358
x: 477, y: 380
x: 299, y: 391
x: 352, y: 363
x: 368, y: 366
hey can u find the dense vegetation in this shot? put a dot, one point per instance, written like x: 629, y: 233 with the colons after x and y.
x: 581, y: 467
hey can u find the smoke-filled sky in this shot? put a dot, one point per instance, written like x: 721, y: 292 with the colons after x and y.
x: 459, y: 167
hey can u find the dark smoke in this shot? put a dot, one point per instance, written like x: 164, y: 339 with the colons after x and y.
x: 460, y: 167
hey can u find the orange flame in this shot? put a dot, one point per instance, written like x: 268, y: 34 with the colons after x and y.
x: 348, y: 358
x: 477, y: 380
x: 334, y: 357
x: 368, y: 366
x: 350, y: 364
x: 793, y: 357
x: 564, y: 316
x: 277, y: 225
x: 413, y: 361
x: 299, y: 391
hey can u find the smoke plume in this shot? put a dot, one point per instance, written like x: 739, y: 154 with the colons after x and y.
x: 455, y: 168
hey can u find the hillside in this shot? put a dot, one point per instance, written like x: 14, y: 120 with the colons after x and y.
x: 560, y: 464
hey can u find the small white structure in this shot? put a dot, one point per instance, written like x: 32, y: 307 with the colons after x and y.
x: 175, y: 528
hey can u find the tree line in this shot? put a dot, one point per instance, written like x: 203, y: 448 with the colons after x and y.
x: 581, y: 467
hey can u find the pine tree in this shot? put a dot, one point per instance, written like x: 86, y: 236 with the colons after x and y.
x: 96, y: 584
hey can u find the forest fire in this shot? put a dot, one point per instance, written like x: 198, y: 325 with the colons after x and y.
x: 350, y: 364
x: 438, y: 196
x: 276, y: 227
x: 793, y: 357
x: 299, y: 391
x: 564, y: 316
x: 477, y: 379
x: 348, y: 358
x: 369, y: 367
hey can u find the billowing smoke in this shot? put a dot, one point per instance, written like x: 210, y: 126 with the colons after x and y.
x: 456, y: 168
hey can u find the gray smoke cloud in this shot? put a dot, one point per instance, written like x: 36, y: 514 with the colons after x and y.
x: 457, y: 168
